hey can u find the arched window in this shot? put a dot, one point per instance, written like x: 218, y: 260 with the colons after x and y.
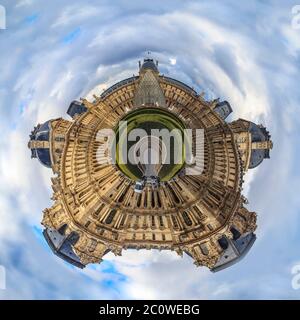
x: 152, y: 200
x: 161, y: 221
x: 158, y: 199
x: 139, y: 200
x: 175, y: 223
x: 153, y: 221
x: 123, y: 221
x: 110, y: 217
x: 176, y: 199
x: 187, y: 219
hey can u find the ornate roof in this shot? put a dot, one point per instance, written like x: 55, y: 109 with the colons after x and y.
x: 39, y: 143
x: 149, y: 64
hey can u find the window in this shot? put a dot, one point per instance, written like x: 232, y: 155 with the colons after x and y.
x: 92, y: 245
x: 59, y: 139
x: 110, y: 217
x: 174, y: 221
x: 236, y: 234
x: 223, y: 242
x: 63, y: 229
x: 153, y: 221
x: 187, y: 219
x: 204, y: 249
x: 161, y: 222
x: 73, y: 237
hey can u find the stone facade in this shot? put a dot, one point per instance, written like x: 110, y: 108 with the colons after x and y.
x: 95, y: 205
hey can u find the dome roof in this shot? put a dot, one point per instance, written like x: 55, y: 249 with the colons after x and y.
x: 41, y: 133
x: 258, y: 134
x: 62, y: 246
x: 44, y: 157
x: 76, y: 108
x: 235, y: 251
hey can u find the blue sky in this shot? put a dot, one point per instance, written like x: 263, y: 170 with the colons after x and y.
x: 55, y: 52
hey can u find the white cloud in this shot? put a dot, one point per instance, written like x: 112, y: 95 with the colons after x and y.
x: 172, y: 61
x: 228, y: 51
x: 24, y: 3
x: 76, y: 13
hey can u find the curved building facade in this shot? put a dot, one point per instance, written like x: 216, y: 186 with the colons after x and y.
x: 97, y: 206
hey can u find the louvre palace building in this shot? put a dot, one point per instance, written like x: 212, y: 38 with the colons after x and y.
x: 193, y: 207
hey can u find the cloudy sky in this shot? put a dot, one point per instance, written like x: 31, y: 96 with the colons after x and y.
x: 57, y: 51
